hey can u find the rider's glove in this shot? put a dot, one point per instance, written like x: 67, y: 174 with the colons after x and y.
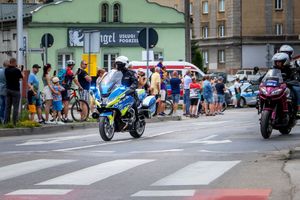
x: 129, y: 92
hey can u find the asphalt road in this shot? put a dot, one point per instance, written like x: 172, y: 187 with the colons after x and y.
x: 205, y: 158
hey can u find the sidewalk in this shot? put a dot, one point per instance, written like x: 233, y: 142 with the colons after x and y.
x: 46, y: 129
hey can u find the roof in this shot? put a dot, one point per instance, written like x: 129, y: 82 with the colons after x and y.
x: 8, y: 11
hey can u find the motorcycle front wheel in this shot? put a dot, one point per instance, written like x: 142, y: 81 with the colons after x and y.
x: 138, y: 129
x: 265, y: 124
x: 106, y: 130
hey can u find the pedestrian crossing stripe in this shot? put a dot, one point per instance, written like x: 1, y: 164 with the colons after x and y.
x: 199, y: 173
x: 96, y: 173
x: 164, y: 193
x: 19, y: 169
x: 39, y: 192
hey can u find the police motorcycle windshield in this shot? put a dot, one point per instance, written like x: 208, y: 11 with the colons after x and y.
x: 110, y: 81
x: 273, y: 78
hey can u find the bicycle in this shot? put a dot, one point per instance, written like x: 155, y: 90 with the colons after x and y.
x: 169, y: 106
x: 77, y: 107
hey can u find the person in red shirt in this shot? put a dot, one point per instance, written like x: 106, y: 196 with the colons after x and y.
x: 67, y: 83
x: 195, y: 89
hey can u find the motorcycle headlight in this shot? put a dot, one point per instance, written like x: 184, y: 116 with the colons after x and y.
x: 263, y: 90
x: 276, y: 92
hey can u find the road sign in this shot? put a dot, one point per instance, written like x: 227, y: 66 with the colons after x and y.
x: 153, y: 38
x: 91, y: 42
x: 47, y: 40
x: 36, y: 50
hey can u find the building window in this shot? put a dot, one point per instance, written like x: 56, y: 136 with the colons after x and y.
x: 278, y: 29
x: 221, y: 5
x: 117, y: 12
x: 157, y: 55
x: 104, y: 12
x: 62, y: 60
x: 205, y: 31
x: 191, y: 8
x: 222, y: 30
x: 221, y: 56
x: 205, y: 7
x: 205, y: 57
x: 278, y: 4
x: 109, y: 61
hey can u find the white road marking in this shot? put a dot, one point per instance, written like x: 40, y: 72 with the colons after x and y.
x: 159, y: 134
x: 52, y: 140
x: 229, y: 152
x: 165, y: 193
x: 159, y: 151
x: 15, y: 170
x: 103, y: 151
x: 39, y: 192
x: 91, y: 146
x: 211, y: 123
x: 96, y: 173
x: 199, y: 173
x: 212, y: 142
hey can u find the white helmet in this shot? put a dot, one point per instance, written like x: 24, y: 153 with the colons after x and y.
x: 287, y: 49
x: 70, y: 62
x: 283, y: 57
x: 122, y: 62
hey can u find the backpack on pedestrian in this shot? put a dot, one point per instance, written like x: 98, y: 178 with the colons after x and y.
x: 62, y: 76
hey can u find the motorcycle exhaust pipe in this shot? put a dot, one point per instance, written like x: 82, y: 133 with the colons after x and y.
x: 95, y: 115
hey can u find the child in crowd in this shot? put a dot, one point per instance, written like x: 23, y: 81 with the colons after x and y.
x: 31, y: 105
x: 57, y: 104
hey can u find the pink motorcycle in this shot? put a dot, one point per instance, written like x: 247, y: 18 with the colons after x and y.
x: 275, y: 105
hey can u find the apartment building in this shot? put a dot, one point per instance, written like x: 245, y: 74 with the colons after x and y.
x: 234, y: 34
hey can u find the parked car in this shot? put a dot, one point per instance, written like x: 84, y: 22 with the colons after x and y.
x: 218, y: 74
x: 248, y: 95
x: 247, y: 74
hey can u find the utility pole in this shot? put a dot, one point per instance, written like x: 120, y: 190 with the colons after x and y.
x: 187, y: 31
x: 20, y: 33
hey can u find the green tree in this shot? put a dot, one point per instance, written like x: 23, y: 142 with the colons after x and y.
x: 197, y: 58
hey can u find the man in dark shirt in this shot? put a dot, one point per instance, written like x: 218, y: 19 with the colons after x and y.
x: 220, y: 87
x: 13, y: 76
x: 84, y: 81
x: 175, y: 88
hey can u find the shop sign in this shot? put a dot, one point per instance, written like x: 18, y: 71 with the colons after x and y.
x: 109, y: 37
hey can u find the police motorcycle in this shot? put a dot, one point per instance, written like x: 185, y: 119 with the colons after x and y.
x: 115, y: 112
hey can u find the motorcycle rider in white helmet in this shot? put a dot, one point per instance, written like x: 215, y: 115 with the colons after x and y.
x: 291, y: 76
x: 129, y: 80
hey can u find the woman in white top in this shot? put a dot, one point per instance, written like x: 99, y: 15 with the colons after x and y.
x: 47, y: 91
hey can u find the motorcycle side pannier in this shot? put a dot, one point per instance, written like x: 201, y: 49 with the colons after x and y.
x: 149, y: 103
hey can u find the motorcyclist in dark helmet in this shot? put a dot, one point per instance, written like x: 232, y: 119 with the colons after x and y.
x: 290, y: 75
x: 129, y: 79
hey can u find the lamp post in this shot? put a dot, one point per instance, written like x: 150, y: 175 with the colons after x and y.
x: 20, y: 33
x: 187, y: 31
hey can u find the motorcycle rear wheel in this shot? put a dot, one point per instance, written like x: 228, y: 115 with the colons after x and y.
x: 265, y: 124
x: 138, y: 129
x: 106, y: 130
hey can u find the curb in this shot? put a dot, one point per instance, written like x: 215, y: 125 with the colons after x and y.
x: 46, y: 129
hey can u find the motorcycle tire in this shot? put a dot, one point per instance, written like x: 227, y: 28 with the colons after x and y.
x: 285, y: 131
x: 138, y: 129
x: 265, y: 124
x: 106, y: 130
